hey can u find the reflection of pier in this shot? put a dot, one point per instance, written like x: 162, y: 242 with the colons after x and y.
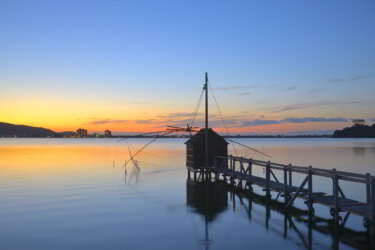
x: 326, y: 226
x: 211, y: 198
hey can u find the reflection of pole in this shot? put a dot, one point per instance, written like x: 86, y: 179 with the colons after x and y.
x: 126, y: 173
x: 267, y: 211
x: 206, y: 189
x: 285, y: 225
x: 206, y: 233
x: 336, y: 237
x: 234, y: 201
x: 268, y: 193
x: 310, y: 206
x: 372, y: 206
x: 310, y: 229
x: 250, y: 205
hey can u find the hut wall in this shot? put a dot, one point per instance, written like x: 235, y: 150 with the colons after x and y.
x: 195, y: 150
x: 196, y: 154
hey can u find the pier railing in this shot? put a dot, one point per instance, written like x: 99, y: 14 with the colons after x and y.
x: 241, y: 170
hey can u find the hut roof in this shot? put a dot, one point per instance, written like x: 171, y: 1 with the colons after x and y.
x: 212, y: 137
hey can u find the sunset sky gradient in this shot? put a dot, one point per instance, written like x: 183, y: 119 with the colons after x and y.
x: 277, y: 67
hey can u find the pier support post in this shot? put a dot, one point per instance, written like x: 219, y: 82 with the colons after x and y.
x: 285, y: 186
x: 310, y: 190
x: 290, y: 175
x: 268, y: 176
x: 225, y: 166
x: 368, y: 188
x: 251, y: 173
x: 232, y: 169
x: 336, y: 195
x: 216, y: 167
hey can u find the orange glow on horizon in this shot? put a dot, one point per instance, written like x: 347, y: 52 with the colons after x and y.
x: 61, y: 115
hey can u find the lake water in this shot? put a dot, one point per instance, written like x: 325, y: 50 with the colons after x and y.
x: 74, y: 194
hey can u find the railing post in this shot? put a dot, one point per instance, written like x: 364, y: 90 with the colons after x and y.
x: 225, y: 162
x: 251, y: 171
x: 285, y: 185
x: 290, y: 175
x: 231, y: 169
x: 336, y: 195
x: 268, y: 176
x: 368, y: 188
x: 241, y: 171
x: 310, y: 189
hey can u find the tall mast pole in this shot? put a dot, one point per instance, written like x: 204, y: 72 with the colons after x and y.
x: 206, y: 123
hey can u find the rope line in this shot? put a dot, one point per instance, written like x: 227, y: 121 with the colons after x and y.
x: 156, y: 137
x: 221, y: 115
x: 243, y: 145
x: 196, y: 108
x: 226, y: 128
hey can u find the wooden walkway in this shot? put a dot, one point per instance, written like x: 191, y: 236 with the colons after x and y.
x: 339, y: 232
x: 239, y: 172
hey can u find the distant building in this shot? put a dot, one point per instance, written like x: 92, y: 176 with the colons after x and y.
x: 81, y: 132
x: 107, y: 133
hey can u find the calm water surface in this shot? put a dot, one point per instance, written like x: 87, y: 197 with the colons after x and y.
x: 75, y: 194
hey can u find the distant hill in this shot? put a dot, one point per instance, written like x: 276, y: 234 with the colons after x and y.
x: 356, y: 131
x: 11, y: 130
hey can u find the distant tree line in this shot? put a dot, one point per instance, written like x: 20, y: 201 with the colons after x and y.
x: 358, y: 130
x: 11, y: 130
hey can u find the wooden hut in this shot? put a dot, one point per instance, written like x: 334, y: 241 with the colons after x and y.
x: 195, y: 149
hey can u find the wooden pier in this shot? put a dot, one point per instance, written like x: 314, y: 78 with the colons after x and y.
x: 238, y: 171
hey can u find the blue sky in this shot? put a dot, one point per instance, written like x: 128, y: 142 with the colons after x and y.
x: 129, y: 60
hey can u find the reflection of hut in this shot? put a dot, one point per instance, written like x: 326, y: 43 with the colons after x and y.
x: 195, y: 147
x: 207, y: 198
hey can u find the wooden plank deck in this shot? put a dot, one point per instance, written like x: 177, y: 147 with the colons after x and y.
x: 259, y: 181
x: 360, y: 208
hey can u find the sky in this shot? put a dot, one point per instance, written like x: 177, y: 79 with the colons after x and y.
x: 275, y: 67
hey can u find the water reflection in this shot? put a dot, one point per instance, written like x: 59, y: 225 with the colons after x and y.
x: 134, y: 173
x: 210, y: 199
x: 207, y: 198
x: 58, y: 193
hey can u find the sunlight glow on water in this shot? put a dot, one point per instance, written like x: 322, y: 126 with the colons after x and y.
x: 72, y: 194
